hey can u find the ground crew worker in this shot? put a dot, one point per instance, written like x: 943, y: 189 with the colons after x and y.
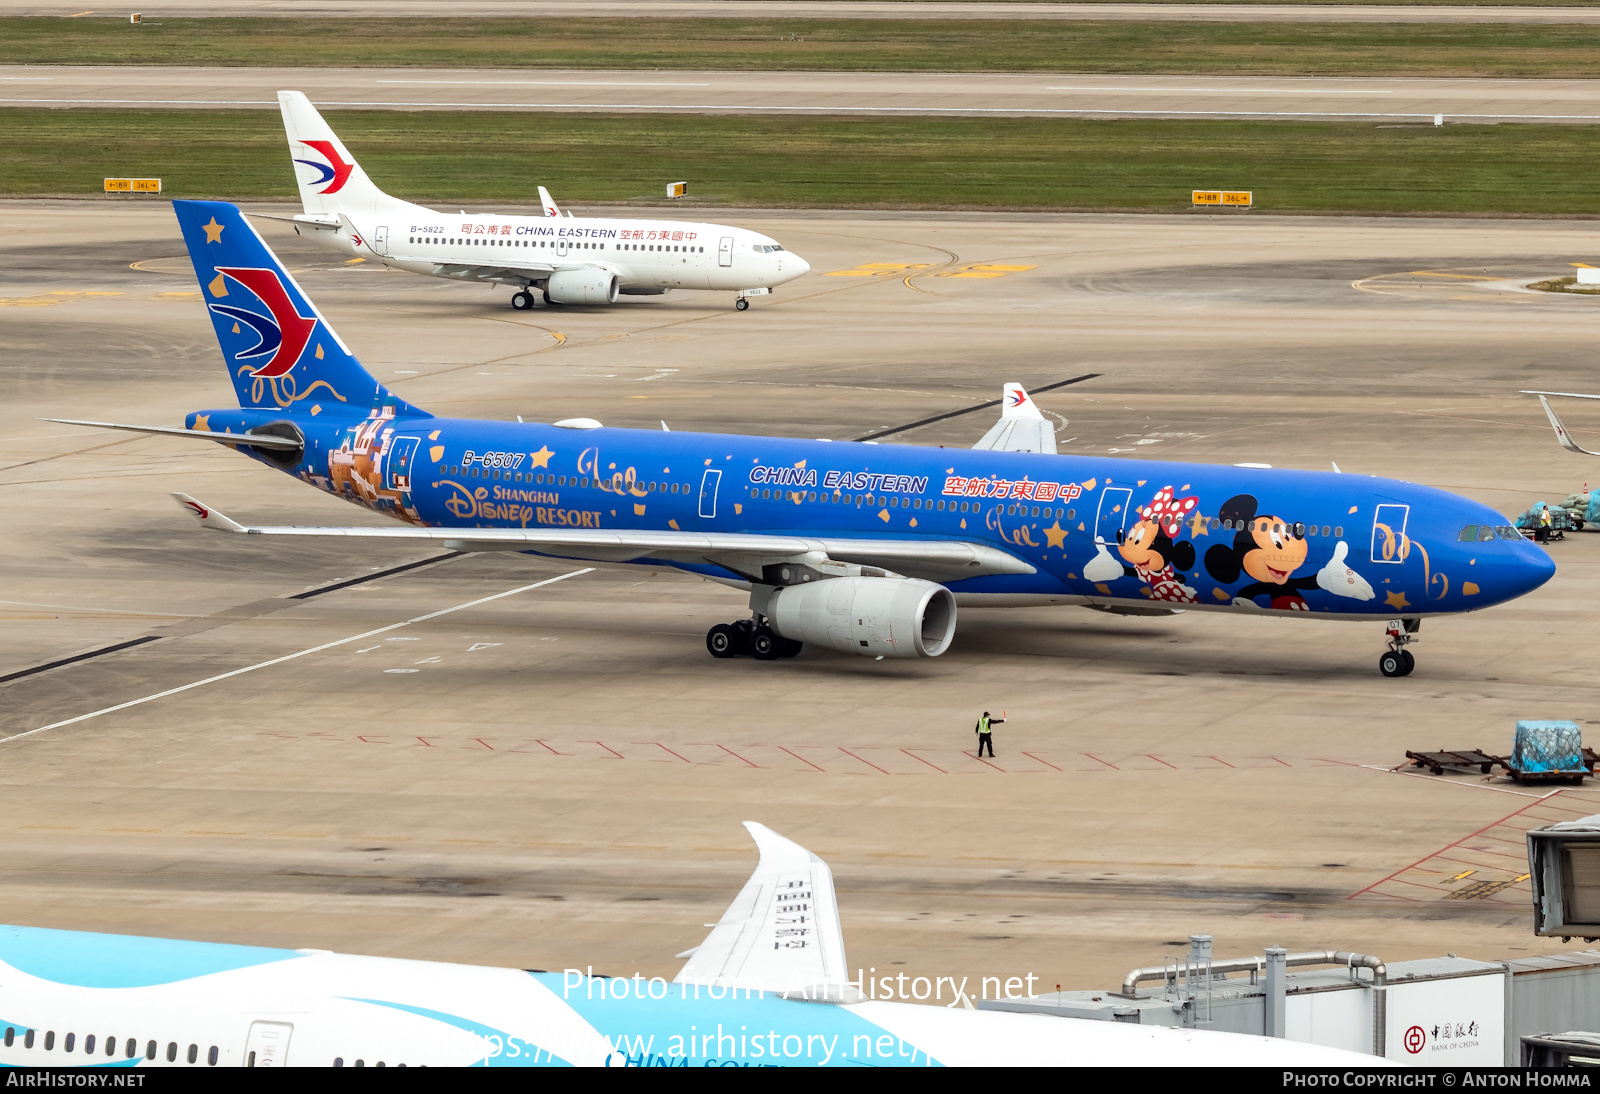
x: 1543, y: 531
x: 985, y: 733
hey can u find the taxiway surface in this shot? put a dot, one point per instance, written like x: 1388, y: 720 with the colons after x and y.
x: 880, y: 93
x: 514, y: 781
x: 840, y: 9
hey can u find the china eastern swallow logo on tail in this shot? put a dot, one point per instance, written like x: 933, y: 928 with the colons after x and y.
x: 282, y: 336
x: 1018, y: 398
x: 335, y: 172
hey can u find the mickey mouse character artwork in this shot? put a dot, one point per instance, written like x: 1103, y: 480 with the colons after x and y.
x: 1151, y: 552
x: 1270, y: 549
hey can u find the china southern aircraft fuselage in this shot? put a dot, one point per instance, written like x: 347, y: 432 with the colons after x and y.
x: 770, y: 986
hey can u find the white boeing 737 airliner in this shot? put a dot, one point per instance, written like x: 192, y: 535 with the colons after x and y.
x: 570, y: 260
x: 769, y: 986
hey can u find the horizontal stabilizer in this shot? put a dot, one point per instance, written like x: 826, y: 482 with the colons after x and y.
x: 741, y: 553
x: 208, y: 518
x: 1021, y: 427
x: 1562, y: 436
x: 782, y: 933
x: 254, y: 440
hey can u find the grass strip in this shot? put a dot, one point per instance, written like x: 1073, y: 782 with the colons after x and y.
x: 921, y: 45
x: 976, y: 163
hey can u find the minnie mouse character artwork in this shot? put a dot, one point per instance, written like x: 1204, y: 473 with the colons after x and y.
x: 1270, y: 549
x: 1150, y: 551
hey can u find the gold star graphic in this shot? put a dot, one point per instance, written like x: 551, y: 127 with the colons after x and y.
x: 213, y: 231
x: 202, y: 422
x: 540, y: 458
x: 1197, y: 526
x: 1055, y: 536
x: 1395, y: 600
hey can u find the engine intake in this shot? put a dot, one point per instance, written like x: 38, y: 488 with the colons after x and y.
x: 869, y: 616
x: 584, y: 285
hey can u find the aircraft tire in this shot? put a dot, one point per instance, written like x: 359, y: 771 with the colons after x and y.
x: 742, y: 630
x: 764, y: 645
x: 1391, y: 663
x: 788, y: 647
x: 722, y: 641
x: 742, y: 304
x: 522, y: 300
x: 1410, y: 661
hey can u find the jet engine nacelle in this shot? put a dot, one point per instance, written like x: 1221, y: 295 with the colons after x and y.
x: 585, y: 285
x: 870, y: 616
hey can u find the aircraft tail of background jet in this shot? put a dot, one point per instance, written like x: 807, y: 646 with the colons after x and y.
x: 279, y: 350
x: 331, y: 181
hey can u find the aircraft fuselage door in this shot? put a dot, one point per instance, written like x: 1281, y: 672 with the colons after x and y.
x: 708, y: 493
x: 380, y: 239
x: 397, y: 464
x: 1389, y: 542
x: 561, y: 247
x: 268, y: 1044
x: 725, y: 251
x: 1113, y: 515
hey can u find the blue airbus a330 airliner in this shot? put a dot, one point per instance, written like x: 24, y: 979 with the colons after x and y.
x: 860, y: 548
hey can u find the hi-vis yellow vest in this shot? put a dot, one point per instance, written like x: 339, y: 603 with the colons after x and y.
x: 983, y: 727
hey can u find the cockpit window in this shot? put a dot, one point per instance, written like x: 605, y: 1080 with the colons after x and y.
x: 1485, y: 534
x: 1468, y: 534
x: 1507, y: 531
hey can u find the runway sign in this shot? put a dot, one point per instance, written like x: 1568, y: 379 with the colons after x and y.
x: 1237, y: 199
x: 133, y: 186
x: 677, y: 189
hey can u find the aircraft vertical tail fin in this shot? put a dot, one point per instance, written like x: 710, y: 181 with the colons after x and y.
x: 331, y: 181
x: 279, y: 350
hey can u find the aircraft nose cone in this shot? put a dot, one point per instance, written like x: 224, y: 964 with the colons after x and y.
x: 1537, y: 567
x: 799, y: 266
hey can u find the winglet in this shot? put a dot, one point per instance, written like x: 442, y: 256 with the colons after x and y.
x: 1562, y: 436
x: 549, y: 203
x: 1015, y: 403
x: 1021, y: 427
x: 206, y: 516
x: 781, y: 933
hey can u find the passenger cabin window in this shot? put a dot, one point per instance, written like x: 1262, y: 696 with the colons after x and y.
x: 150, y: 1049
x: 194, y: 1053
x: 11, y: 1036
x: 172, y: 1051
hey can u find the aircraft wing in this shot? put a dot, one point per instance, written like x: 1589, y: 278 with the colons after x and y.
x: 781, y: 933
x: 496, y: 271
x: 1021, y: 427
x: 745, y: 554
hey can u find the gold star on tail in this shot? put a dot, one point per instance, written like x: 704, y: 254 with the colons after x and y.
x: 213, y: 231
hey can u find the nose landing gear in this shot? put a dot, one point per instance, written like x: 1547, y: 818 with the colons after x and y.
x: 1397, y: 660
x: 742, y: 304
x: 749, y: 637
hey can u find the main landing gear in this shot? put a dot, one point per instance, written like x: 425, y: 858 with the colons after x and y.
x: 1397, y: 660
x: 749, y: 637
x: 522, y: 300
